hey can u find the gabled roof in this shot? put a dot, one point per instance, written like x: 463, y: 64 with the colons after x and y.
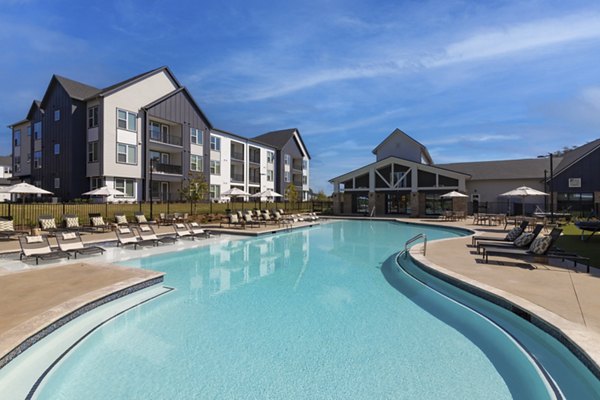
x: 76, y: 90
x: 242, y: 138
x: 190, y: 98
x: 529, y: 168
x: 34, y: 106
x: 397, y: 160
x: 280, y: 138
x: 400, y: 132
x: 121, y: 85
x: 573, y: 156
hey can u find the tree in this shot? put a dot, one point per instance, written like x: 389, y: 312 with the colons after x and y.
x: 321, y: 196
x: 195, y: 189
x: 291, y: 194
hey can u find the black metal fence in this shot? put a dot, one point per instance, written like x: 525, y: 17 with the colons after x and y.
x: 26, y: 215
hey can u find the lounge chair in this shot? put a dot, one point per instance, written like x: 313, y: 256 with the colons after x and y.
x: 140, y: 218
x: 39, y: 247
x: 71, y: 242
x: 126, y: 237
x: 198, y: 231
x: 147, y: 234
x: 97, y: 223
x: 251, y: 221
x: 543, y: 246
x: 511, y: 236
x: 182, y: 231
x: 523, y: 240
x: 7, y: 228
x: 121, y: 219
x: 590, y: 226
x: 71, y: 223
x: 233, y: 219
x: 48, y: 223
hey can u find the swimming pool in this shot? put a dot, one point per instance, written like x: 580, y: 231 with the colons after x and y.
x: 313, y: 313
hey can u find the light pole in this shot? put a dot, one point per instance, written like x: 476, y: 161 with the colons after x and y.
x: 551, y: 184
x: 150, y: 191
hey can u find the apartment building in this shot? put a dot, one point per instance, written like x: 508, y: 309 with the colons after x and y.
x: 5, y: 175
x: 145, y: 136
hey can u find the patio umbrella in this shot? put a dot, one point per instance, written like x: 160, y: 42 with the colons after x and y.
x: 104, y: 191
x: 453, y: 194
x: 235, y: 192
x: 523, y: 192
x: 267, y: 193
x: 23, y: 188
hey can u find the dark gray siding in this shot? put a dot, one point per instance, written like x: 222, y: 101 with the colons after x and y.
x: 291, y: 148
x: 70, y: 134
x: 180, y: 109
x: 588, y: 169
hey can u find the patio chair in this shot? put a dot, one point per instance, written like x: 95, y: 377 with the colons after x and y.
x: 590, y: 226
x: 7, y: 228
x: 511, y: 236
x: 182, y: 231
x: 121, y: 219
x: 147, y: 233
x: 140, y: 218
x: 126, y: 236
x: 39, y: 247
x: 198, y: 231
x: 524, y: 240
x: 97, y: 223
x: 48, y: 223
x: 541, y: 247
x: 233, y: 219
x: 71, y: 223
x: 251, y: 221
x: 71, y: 242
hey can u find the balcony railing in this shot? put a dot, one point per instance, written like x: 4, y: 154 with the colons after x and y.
x: 168, y: 139
x: 254, y: 179
x: 237, y: 177
x: 166, y: 168
x: 236, y: 155
x: 255, y: 160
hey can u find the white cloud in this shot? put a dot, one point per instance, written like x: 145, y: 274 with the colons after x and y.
x: 482, y: 138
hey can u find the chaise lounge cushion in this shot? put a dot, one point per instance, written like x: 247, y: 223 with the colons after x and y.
x: 514, y: 234
x: 72, y: 222
x: 524, y: 240
x: 121, y: 219
x: 7, y: 225
x: 540, y: 245
x: 47, y: 224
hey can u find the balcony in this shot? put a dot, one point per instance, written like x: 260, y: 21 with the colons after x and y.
x: 297, y: 165
x: 167, y: 139
x: 237, y: 156
x: 166, y: 168
x: 237, y: 178
x: 254, y: 159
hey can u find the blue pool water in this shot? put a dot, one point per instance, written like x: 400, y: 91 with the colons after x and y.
x: 314, y: 313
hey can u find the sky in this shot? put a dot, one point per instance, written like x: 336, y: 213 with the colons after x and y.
x: 471, y: 80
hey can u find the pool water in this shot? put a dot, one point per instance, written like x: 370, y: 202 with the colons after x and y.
x: 304, y: 314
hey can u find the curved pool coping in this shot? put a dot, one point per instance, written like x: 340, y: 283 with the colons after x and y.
x: 581, y: 341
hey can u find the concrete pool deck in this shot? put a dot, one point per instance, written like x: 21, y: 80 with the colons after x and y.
x: 563, y: 296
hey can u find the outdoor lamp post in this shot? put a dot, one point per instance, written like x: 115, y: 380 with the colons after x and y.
x: 551, y: 184
x: 150, y: 191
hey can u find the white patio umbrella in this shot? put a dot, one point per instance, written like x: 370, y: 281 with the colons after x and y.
x: 523, y: 192
x: 23, y: 188
x: 235, y: 192
x: 453, y: 194
x: 269, y: 193
x: 104, y: 191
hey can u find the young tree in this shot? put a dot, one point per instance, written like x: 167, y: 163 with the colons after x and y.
x: 291, y: 194
x: 321, y: 196
x: 195, y: 188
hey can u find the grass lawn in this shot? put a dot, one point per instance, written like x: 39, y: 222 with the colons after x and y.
x: 571, y: 241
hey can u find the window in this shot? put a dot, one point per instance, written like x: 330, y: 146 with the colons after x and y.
x: 287, y: 159
x: 37, y: 159
x: 270, y: 157
x: 154, y: 130
x: 215, y: 143
x: 125, y: 185
x: 92, y: 152
x: 96, y: 182
x: 56, y: 149
x: 37, y: 131
x: 286, y: 176
x: 270, y: 175
x: 215, y: 167
x: 196, y: 136
x: 29, y: 131
x: 126, y: 153
x: 17, y: 136
x: 28, y: 158
x: 56, y: 115
x: 56, y: 183
x: 126, y: 120
x: 304, y: 165
x: 196, y: 163
x: 304, y: 179
x: 93, y: 117
x: 215, y: 191
x: 17, y: 164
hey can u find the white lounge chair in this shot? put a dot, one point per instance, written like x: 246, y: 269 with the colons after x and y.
x: 71, y: 242
x: 39, y: 247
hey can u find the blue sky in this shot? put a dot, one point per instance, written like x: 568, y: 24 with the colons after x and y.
x: 470, y: 80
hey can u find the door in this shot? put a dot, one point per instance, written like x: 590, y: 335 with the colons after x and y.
x: 164, y: 191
